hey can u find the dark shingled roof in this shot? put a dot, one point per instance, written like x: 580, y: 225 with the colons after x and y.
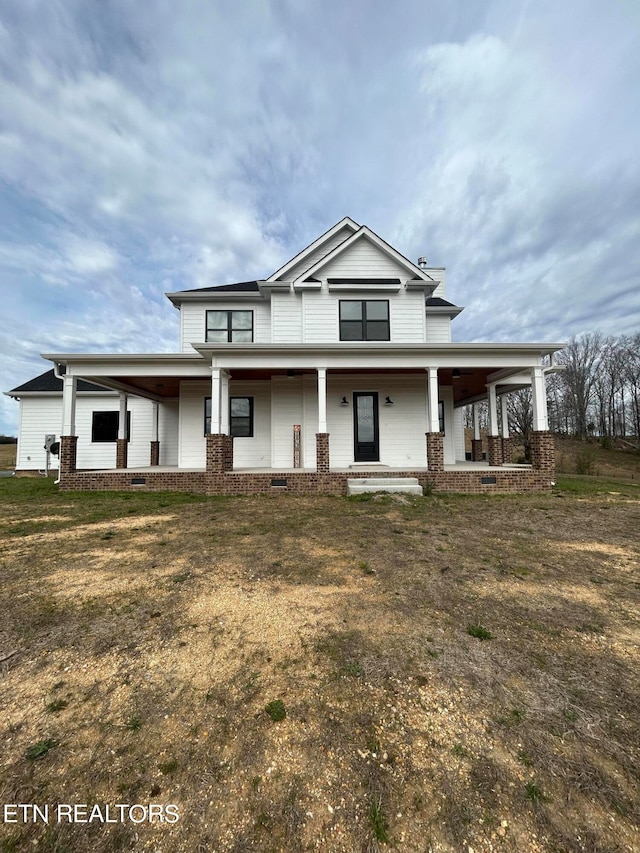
x: 437, y: 302
x: 240, y: 285
x: 48, y: 382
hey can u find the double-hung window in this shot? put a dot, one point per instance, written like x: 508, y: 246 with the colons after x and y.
x: 240, y: 416
x: 364, y: 320
x: 229, y: 326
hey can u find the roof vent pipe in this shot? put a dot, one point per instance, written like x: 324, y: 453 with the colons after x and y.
x: 422, y: 263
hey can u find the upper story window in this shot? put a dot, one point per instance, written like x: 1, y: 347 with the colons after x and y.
x: 229, y: 326
x: 364, y: 320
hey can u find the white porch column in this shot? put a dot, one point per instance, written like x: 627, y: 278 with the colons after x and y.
x: 493, y: 410
x: 155, y: 415
x: 122, y: 420
x: 476, y: 421
x: 505, y: 415
x: 433, y: 421
x: 69, y: 389
x: 216, y: 383
x: 224, y: 402
x: 539, y: 394
x: 322, y: 399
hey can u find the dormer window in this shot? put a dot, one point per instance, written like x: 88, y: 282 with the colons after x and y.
x: 364, y: 320
x: 229, y: 327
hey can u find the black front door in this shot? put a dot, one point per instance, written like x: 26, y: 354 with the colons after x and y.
x: 365, y: 427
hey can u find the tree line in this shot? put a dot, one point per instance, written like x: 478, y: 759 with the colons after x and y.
x: 595, y: 393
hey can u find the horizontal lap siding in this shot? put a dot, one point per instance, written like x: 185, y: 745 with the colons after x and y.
x: 247, y: 452
x: 286, y: 317
x: 38, y: 416
x: 321, y: 315
x: 103, y: 455
x: 254, y: 452
x: 286, y: 410
x: 363, y: 260
x: 438, y: 329
x: 168, y: 432
x: 402, y: 426
x: 193, y: 320
x: 321, y: 252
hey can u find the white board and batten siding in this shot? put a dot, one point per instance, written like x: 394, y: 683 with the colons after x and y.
x: 193, y: 319
x: 40, y: 416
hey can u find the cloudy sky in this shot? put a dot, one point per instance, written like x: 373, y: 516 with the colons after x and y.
x: 154, y: 146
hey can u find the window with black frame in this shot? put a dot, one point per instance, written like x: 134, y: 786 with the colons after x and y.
x: 240, y: 416
x: 229, y: 327
x: 105, y: 425
x: 364, y: 320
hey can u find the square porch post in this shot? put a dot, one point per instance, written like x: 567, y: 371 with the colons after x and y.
x: 219, y: 450
x: 122, y: 442
x: 68, y: 438
x: 476, y: 441
x: 494, y: 441
x: 155, y: 436
x: 507, y: 446
x: 435, y: 438
x: 322, y: 436
x: 541, y: 440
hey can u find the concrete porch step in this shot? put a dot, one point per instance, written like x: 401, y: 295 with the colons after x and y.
x: 405, y: 485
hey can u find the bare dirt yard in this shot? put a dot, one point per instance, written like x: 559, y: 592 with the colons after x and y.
x: 447, y: 673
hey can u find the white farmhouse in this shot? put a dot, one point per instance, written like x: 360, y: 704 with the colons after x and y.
x: 337, y: 367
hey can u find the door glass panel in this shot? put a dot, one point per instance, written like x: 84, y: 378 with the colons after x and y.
x: 366, y: 431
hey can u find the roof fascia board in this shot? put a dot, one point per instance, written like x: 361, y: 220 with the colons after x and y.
x: 442, y: 309
x: 346, y: 222
x: 365, y: 232
x: 209, y: 295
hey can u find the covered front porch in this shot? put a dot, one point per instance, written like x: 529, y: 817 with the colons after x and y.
x: 243, y: 427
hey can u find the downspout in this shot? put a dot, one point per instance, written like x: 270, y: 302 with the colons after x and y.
x: 58, y: 375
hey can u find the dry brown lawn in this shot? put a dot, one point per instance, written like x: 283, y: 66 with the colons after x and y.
x: 7, y: 456
x: 152, y: 631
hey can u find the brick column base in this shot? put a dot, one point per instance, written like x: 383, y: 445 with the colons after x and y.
x: 476, y: 449
x: 122, y: 450
x: 68, y: 453
x: 435, y: 451
x: 154, y: 456
x: 507, y: 450
x: 494, y: 443
x: 543, y: 456
x: 322, y: 452
x: 219, y: 452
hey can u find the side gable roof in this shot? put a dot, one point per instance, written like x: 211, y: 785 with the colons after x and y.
x: 365, y: 233
x: 49, y: 382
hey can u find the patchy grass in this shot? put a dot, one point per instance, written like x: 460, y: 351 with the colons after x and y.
x: 149, y: 658
x: 8, y: 456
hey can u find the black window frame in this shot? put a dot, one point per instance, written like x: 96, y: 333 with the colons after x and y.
x: 364, y: 322
x: 112, y: 414
x: 229, y: 327
x: 207, y: 416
